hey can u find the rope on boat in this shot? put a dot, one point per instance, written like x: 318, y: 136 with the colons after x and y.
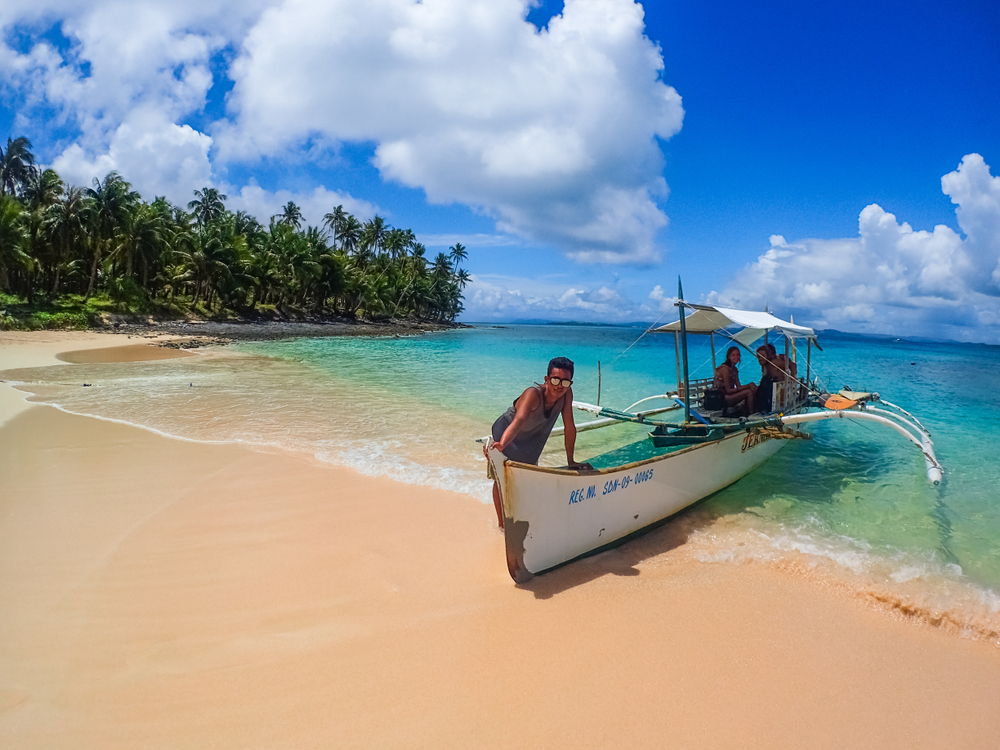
x: 787, y: 433
x: 626, y: 350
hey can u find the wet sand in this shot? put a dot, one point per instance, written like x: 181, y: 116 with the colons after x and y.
x: 158, y: 593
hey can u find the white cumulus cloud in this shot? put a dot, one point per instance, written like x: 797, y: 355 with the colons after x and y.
x: 122, y: 81
x: 891, y: 278
x: 157, y: 156
x: 551, y: 132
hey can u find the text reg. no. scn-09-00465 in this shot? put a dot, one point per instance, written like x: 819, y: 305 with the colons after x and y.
x: 612, y: 485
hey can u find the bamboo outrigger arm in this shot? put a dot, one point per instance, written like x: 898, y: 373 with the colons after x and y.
x: 606, y: 421
x: 934, y: 469
x: 921, y: 439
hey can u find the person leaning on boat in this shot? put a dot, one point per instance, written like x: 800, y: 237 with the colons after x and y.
x: 727, y: 379
x: 520, y: 432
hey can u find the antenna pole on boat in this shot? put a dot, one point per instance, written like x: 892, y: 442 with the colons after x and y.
x: 684, y: 352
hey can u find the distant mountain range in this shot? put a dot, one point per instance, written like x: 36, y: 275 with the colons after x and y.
x: 645, y: 324
x: 543, y: 322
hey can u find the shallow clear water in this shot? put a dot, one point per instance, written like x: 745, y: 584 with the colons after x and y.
x: 854, y: 501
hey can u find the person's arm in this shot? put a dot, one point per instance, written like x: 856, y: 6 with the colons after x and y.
x: 569, y: 427
x: 525, y: 405
x: 728, y: 386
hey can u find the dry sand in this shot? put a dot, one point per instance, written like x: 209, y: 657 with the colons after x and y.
x: 157, y: 593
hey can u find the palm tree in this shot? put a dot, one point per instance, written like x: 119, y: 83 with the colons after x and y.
x: 247, y: 225
x: 458, y: 253
x: 41, y: 189
x: 418, y: 259
x: 145, y: 239
x: 350, y: 234
x: 39, y: 192
x: 442, y: 267
x: 373, y: 236
x: 111, y: 201
x: 335, y: 220
x: 291, y: 215
x: 212, y: 259
x: 67, y: 224
x: 12, y: 239
x: 395, y: 243
x: 16, y: 164
x: 208, y: 205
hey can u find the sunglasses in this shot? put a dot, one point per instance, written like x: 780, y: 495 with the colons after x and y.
x: 560, y: 381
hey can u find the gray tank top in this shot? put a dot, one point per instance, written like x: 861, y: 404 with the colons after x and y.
x: 527, y: 446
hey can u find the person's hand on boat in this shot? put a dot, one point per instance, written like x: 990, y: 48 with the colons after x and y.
x: 492, y: 444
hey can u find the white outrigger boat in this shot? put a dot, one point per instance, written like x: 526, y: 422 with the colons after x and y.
x: 555, y: 515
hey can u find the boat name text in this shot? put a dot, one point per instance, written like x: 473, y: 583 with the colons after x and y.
x: 755, y: 438
x: 612, y: 485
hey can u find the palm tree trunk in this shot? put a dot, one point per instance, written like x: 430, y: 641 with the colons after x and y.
x: 93, y: 272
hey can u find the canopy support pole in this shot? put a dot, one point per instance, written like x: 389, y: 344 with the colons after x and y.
x: 791, y: 319
x: 809, y: 351
x: 677, y: 356
x: 711, y: 338
x: 684, y: 352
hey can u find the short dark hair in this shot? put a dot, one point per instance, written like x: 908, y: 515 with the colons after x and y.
x: 560, y: 363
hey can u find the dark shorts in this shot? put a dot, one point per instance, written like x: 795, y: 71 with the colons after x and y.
x: 765, y: 393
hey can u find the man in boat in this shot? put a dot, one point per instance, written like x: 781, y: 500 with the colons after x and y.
x: 770, y: 374
x: 785, y: 364
x: 521, y: 431
x: 727, y: 379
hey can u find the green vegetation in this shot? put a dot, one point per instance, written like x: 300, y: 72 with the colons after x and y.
x: 68, y: 254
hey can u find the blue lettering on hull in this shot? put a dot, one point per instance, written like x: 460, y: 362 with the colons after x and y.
x: 612, y: 485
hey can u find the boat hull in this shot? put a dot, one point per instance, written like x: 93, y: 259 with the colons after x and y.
x: 553, y: 516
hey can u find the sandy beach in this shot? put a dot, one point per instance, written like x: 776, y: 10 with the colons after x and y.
x: 160, y: 593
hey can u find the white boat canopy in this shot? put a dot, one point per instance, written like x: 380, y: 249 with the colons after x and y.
x: 709, y: 319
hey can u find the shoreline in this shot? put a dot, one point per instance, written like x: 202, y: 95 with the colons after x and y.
x: 196, y: 333
x: 163, y: 593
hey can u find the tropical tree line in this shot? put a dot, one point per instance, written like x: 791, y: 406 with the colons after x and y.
x: 58, y: 239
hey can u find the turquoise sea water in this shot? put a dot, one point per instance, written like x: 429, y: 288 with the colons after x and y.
x: 853, y: 504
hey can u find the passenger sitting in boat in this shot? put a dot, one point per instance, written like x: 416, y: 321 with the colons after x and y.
x: 521, y: 431
x: 785, y: 364
x: 770, y: 374
x: 727, y: 377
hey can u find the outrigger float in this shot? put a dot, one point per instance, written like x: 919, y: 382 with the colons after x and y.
x: 555, y: 515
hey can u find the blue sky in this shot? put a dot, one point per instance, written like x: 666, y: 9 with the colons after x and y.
x: 586, y: 154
